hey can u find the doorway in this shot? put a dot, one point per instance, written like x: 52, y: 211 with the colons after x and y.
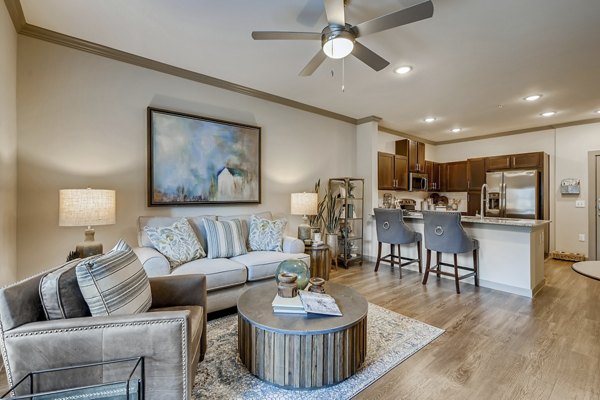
x: 594, y: 204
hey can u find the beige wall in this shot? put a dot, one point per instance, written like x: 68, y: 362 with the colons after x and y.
x: 8, y: 148
x: 82, y: 122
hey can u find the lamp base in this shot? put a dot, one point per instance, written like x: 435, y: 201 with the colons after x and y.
x: 303, y: 232
x: 89, y: 247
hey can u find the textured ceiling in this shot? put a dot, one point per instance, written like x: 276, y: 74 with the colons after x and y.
x: 474, y: 60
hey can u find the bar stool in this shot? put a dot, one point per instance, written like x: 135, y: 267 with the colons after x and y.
x: 391, y: 229
x: 444, y: 234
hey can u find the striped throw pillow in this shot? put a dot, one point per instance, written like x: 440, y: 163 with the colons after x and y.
x: 224, y: 238
x: 114, y: 283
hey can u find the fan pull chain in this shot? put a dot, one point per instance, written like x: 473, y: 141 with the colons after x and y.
x: 343, y: 74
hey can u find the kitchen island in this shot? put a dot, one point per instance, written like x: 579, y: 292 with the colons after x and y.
x: 511, y: 252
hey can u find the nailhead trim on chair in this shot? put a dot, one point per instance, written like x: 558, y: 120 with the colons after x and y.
x: 181, y: 321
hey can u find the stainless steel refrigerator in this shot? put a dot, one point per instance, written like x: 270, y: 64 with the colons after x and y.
x: 513, y: 194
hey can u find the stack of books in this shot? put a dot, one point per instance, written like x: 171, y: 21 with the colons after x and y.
x: 306, y: 302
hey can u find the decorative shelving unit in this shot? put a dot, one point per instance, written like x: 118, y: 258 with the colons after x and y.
x: 350, y: 198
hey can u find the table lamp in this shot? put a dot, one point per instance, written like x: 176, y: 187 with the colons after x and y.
x: 87, y: 207
x: 304, y: 204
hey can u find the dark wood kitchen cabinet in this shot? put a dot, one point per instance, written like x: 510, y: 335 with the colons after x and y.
x: 433, y: 174
x: 457, y: 176
x: 392, y: 172
x: 476, y: 173
x: 526, y: 160
x: 415, y: 151
x: 515, y: 161
x: 473, y: 202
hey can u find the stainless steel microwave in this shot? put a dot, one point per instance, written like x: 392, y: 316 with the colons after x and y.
x: 417, y: 182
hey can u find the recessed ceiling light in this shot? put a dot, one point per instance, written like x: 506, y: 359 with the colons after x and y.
x: 403, y: 70
x: 533, y: 97
x: 548, y: 113
x: 429, y: 119
x: 597, y: 111
x: 456, y: 130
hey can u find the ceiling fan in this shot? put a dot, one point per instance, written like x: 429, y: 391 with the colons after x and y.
x: 338, y: 39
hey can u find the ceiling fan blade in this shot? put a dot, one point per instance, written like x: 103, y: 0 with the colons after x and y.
x: 398, y: 18
x: 369, y: 57
x: 313, y: 64
x: 335, y: 12
x: 273, y: 35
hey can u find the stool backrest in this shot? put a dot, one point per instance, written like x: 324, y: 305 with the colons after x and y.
x: 445, y: 233
x: 391, y: 227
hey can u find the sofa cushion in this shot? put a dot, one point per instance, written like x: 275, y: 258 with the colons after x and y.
x: 177, y: 242
x: 265, y: 234
x: 114, y: 283
x: 220, y: 272
x: 245, y: 221
x: 195, y: 222
x: 262, y: 264
x: 224, y: 238
x: 60, y: 293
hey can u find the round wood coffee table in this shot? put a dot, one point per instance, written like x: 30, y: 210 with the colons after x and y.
x: 302, y: 351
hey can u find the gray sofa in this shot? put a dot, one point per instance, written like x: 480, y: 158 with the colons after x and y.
x: 226, y: 278
x: 171, y: 337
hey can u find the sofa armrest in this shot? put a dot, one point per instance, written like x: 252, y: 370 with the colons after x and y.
x: 292, y: 245
x: 153, y: 261
x: 181, y: 290
x: 162, y: 337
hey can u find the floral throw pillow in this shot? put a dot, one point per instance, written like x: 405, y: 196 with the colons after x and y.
x: 177, y: 242
x: 265, y: 234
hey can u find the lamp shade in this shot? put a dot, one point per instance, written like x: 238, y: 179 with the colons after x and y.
x: 86, y: 207
x: 304, y: 203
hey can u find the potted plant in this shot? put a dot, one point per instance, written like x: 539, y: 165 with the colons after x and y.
x: 331, y: 221
x: 315, y: 221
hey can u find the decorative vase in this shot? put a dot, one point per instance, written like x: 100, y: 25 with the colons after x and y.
x: 316, y: 285
x: 297, y: 267
x: 332, y: 242
x: 287, y: 285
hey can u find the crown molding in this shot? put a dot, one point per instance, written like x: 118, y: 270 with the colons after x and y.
x: 16, y: 14
x: 406, y: 135
x: 520, y: 131
x: 15, y: 11
x: 23, y: 28
x: 370, y: 118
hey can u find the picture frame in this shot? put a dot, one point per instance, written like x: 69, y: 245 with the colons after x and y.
x: 194, y: 160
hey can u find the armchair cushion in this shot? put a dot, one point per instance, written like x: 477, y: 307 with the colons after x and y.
x: 177, y: 242
x: 265, y: 234
x: 114, y: 283
x: 60, y: 293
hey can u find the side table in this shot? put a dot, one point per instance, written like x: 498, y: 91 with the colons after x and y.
x: 320, y: 261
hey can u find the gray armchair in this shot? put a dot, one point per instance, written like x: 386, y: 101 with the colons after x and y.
x: 171, y: 337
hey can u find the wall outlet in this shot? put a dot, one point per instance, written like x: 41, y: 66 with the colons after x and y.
x: 582, y: 237
x: 580, y: 203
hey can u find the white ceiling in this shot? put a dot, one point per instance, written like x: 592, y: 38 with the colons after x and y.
x: 469, y: 58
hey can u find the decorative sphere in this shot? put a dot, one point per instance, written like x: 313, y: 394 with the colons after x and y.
x: 297, y: 267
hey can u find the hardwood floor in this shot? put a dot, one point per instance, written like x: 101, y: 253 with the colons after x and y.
x: 496, y: 345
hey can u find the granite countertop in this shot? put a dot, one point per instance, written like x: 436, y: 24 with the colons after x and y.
x: 488, y: 220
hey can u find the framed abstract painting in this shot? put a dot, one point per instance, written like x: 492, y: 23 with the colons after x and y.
x: 194, y: 160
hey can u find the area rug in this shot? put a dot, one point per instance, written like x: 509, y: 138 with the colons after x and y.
x: 591, y: 269
x: 391, y: 339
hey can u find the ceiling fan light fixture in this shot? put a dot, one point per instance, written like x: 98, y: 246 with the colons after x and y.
x: 337, y: 43
x: 403, y: 70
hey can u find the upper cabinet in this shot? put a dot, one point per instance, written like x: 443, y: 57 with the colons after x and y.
x: 515, y: 161
x: 457, y: 176
x: 476, y: 173
x: 433, y: 174
x: 415, y: 151
x: 392, y: 172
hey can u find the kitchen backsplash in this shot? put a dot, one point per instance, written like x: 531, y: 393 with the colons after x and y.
x: 461, y: 197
